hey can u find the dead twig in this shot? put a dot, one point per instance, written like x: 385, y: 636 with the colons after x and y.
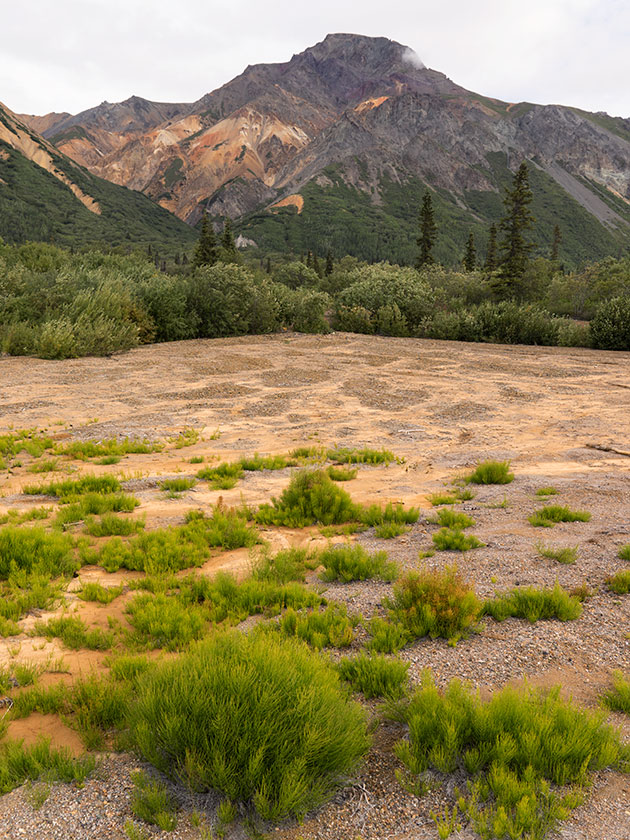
x: 602, y: 448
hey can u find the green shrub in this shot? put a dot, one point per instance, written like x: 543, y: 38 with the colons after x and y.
x: 267, y: 462
x: 619, y: 582
x: 93, y: 591
x: 512, y: 747
x: 70, y: 488
x: 565, y: 555
x: 34, y: 550
x: 391, y: 514
x: 331, y: 627
x: 352, y: 562
x: 375, y: 676
x: 624, y: 553
x: 550, y: 515
x: 435, y: 603
x: 341, y: 474
x: 617, y: 698
x: 287, y: 734
x: 387, y: 636
x: 452, y: 539
x: 160, y: 621
x: 73, y: 633
x: 310, y: 497
x: 491, y: 472
x: 361, y: 456
x: 152, y: 802
x: 128, y: 668
x: 440, y: 498
x: 287, y: 565
x: 223, y: 477
x: 452, y: 519
x: 175, y: 486
x: 19, y: 764
x: 390, y: 530
x: 547, y: 491
x: 51, y: 465
x: 81, y: 450
x: 610, y: 328
x: 92, y: 504
x: 111, y: 525
x: 534, y: 604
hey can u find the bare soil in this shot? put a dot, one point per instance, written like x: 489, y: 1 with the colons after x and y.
x: 441, y: 407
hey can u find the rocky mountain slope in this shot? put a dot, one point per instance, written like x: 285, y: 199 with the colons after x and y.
x: 45, y: 195
x: 359, y: 124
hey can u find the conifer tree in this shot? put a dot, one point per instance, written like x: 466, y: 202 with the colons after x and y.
x: 227, y: 239
x: 316, y: 266
x: 517, y: 221
x: 268, y: 265
x: 555, y: 245
x: 206, y: 249
x: 491, y: 254
x: 428, y: 232
x: 329, y: 264
x: 309, y: 259
x: 470, y: 256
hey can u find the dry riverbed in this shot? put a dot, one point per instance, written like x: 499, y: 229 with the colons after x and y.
x: 440, y: 407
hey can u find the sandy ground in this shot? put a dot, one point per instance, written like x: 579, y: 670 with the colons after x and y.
x: 441, y: 407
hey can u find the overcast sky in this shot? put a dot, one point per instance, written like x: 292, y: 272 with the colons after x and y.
x: 69, y: 55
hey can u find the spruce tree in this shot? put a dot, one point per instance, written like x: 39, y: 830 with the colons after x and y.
x: 517, y: 221
x: 329, y: 264
x: 206, y: 250
x: 428, y: 232
x: 470, y: 256
x: 309, y: 259
x: 268, y: 265
x: 555, y: 245
x: 491, y: 254
x: 316, y: 266
x: 227, y: 239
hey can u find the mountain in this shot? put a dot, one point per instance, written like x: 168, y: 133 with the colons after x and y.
x: 334, y: 149
x: 44, y: 195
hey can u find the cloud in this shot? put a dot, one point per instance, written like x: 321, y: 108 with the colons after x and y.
x: 412, y: 57
x: 73, y: 54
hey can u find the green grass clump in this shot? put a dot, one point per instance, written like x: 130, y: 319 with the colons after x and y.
x: 73, y: 633
x: 435, y: 603
x: 152, y: 802
x: 360, y: 456
x: 491, y: 472
x: 311, y: 497
x: 452, y: 539
x: 24, y: 440
x: 617, y: 698
x: 547, y: 491
x: 51, y: 465
x: 110, y: 525
x: 172, y: 549
x: 375, y: 515
x: 81, y: 450
x: 331, y: 627
x: 160, y: 621
x: 565, y: 555
x: 19, y: 764
x: 534, y: 604
x: 187, y: 437
x: 452, y: 519
x: 624, y: 553
x: 513, y: 748
x: 34, y: 550
x: 352, y: 562
x: 266, y: 462
x: 285, y: 566
x: 79, y: 487
x: 441, y: 498
x: 390, y: 530
x: 375, y: 676
x: 91, y: 504
x: 288, y: 734
x: 93, y: 591
x: 175, y: 486
x: 128, y: 668
x: 619, y: 582
x: 305, y: 454
x: 341, y: 473
x: 196, y: 459
x: 550, y: 515
x: 223, y: 477
x: 387, y: 636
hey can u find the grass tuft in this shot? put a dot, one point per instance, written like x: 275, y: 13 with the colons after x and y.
x: 617, y: 698
x: 534, y: 604
x: 550, y: 515
x: 452, y: 539
x: 567, y: 555
x: 311, y: 497
x: 619, y: 582
x: 375, y: 676
x: 352, y: 562
x: 490, y: 472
